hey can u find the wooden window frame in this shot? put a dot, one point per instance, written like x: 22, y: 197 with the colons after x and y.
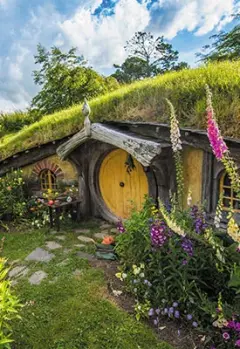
x: 48, y: 180
x: 232, y: 198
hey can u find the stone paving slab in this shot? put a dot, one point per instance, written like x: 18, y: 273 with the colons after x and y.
x: 80, y: 245
x: 60, y: 237
x: 85, y: 255
x: 40, y: 255
x: 37, y: 277
x: 83, y: 231
x: 18, y: 271
x: 106, y: 226
x: 63, y: 263
x: 85, y: 238
x: 53, y: 245
x: 114, y: 231
x: 101, y: 235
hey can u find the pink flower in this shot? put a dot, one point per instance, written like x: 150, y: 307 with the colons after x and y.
x: 237, y: 326
x: 237, y: 343
x: 231, y: 324
x: 226, y: 336
x: 218, y: 145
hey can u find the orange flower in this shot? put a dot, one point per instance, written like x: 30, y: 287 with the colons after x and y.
x: 108, y: 240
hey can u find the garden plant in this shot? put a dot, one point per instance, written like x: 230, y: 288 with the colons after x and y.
x: 180, y: 267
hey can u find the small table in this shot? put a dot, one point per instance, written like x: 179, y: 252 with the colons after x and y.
x: 57, y: 209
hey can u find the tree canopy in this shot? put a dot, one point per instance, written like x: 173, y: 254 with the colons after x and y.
x: 226, y: 46
x: 65, y: 79
x: 147, y: 57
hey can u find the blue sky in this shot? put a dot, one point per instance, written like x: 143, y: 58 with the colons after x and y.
x: 99, y: 29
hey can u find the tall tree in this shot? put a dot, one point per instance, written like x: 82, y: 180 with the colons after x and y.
x: 226, y: 46
x: 65, y: 79
x: 147, y: 57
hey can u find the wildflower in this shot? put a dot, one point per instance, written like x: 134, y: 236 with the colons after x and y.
x: 233, y: 230
x: 187, y: 246
x: 141, y: 275
x: 184, y: 262
x: 151, y: 312
x: 237, y: 327
x: 165, y: 310
x: 231, y: 324
x: 170, y: 223
x: 226, y: 336
x: 158, y: 234
x: 195, y: 324
x: 179, y: 332
x: 156, y: 321
x: 177, y: 314
x: 120, y: 227
x: 157, y: 311
x: 175, y: 304
x: 171, y: 310
x: 189, y: 198
x: 124, y: 275
x: 198, y: 219
x: 237, y: 343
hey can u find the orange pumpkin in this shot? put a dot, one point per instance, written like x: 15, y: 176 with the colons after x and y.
x: 108, y: 240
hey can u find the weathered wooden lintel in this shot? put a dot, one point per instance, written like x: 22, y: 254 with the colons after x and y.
x: 142, y: 149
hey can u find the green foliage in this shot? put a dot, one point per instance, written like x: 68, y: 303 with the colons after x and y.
x: 65, y: 80
x: 147, y: 57
x: 13, y: 122
x: 145, y: 101
x: 12, y: 196
x: 9, y: 307
x: 226, y: 46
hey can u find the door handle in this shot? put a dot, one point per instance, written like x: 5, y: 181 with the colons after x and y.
x: 121, y: 184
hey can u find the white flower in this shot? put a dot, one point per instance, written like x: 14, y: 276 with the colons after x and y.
x: 189, y: 198
x: 124, y: 275
x: 141, y: 275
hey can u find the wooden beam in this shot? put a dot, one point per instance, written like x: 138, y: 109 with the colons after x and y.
x: 142, y: 149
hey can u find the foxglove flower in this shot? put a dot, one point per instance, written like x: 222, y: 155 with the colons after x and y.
x: 158, y: 234
x: 187, y: 246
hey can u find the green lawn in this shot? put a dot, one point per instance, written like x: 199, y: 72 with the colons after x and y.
x: 70, y: 311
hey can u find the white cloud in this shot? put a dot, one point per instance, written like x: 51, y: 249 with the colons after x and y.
x: 201, y: 16
x: 101, y: 39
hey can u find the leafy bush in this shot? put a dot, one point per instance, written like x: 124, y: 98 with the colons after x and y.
x: 9, y: 306
x: 13, y: 122
x: 12, y: 196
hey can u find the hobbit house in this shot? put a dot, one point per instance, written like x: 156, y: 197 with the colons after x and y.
x: 119, y: 160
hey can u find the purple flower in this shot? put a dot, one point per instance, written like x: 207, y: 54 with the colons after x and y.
x: 212, y: 347
x: 171, y: 310
x: 177, y: 314
x: 189, y: 317
x: 226, y: 336
x: 218, y: 145
x: 158, y: 234
x: 237, y: 326
x: 231, y: 324
x: 187, y: 246
x: 155, y: 321
x: 120, y: 227
x: 198, y: 219
x: 151, y: 312
x: 165, y: 310
x: 157, y: 311
x: 195, y: 324
x: 178, y: 332
x: 184, y: 262
x: 237, y: 343
x: 175, y: 304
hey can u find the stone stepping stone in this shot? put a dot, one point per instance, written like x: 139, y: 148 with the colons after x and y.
x: 67, y: 250
x: 37, y: 277
x: 52, y: 245
x: 40, y: 255
x: 63, y: 263
x: 77, y: 272
x: 85, y: 255
x: 101, y: 235
x: 105, y: 226
x: 114, y: 231
x: 85, y: 238
x: 83, y: 231
x: 60, y: 237
x: 18, y: 271
x: 80, y: 245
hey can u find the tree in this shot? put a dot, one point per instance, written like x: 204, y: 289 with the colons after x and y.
x: 181, y: 66
x: 147, y: 57
x: 226, y: 46
x: 65, y: 79
x: 133, y: 68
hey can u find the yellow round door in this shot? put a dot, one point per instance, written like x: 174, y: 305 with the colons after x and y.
x: 123, y: 186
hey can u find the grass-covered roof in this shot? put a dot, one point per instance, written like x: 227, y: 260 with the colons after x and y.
x: 145, y: 101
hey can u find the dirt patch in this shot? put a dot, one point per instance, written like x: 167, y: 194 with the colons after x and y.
x: 170, y: 331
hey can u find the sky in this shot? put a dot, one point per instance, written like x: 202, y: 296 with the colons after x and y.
x: 99, y: 29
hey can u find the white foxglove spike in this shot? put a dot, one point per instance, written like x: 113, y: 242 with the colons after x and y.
x: 86, y: 112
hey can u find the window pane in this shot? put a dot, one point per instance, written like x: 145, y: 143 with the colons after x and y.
x: 227, y: 192
x: 236, y: 205
x: 226, y: 181
x: 226, y: 203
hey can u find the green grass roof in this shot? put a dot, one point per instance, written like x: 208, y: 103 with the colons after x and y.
x: 145, y: 101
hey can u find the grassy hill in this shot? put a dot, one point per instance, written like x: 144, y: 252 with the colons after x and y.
x: 145, y: 101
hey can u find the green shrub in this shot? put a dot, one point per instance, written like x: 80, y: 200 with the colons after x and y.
x: 12, y: 196
x: 9, y: 307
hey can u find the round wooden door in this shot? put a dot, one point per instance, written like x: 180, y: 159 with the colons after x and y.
x: 123, y: 183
